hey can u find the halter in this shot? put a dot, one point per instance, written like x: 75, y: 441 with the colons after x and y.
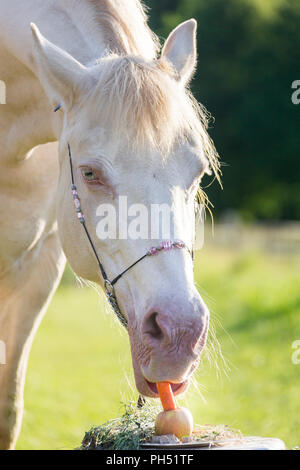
x: 109, y: 288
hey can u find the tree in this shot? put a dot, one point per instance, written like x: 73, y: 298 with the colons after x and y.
x: 247, y: 64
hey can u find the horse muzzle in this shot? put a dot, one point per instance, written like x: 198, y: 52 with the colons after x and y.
x: 169, y: 347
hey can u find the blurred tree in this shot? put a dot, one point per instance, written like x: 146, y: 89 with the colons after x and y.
x: 247, y: 63
x: 157, y: 9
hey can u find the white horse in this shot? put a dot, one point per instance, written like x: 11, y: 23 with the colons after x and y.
x: 134, y: 130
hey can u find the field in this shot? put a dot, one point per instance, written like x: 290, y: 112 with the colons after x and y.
x: 80, y: 369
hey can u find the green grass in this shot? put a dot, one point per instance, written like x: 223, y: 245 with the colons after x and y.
x: 80, y: 366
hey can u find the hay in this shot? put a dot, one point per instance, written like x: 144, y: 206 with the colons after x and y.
x: 136, y: 427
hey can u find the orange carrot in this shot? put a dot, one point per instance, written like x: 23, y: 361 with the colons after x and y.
x: 166, y: 395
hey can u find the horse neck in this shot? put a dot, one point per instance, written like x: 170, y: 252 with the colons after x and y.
x: 27, y: 119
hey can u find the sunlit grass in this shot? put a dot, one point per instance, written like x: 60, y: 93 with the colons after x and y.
x: 257, y: 298
x: 76, y: 374
x: 80, y: 366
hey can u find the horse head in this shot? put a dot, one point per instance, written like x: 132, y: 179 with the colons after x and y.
x: 138, y: 137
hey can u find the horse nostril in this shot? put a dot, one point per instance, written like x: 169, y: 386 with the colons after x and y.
x: 152, y: 327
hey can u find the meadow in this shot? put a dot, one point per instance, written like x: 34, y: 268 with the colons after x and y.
x: 80, y: 368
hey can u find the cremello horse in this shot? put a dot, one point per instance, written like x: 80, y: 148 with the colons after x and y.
x: 134, y: 130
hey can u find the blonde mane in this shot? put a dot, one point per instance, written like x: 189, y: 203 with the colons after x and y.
x: 124, y: 24
x: 138, y: 94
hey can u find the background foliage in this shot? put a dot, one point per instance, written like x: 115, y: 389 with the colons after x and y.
x: 249, y: 55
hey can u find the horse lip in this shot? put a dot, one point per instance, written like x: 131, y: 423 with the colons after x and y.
x: 177, y: 388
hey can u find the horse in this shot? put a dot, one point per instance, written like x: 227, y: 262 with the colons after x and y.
x: 127, y: 122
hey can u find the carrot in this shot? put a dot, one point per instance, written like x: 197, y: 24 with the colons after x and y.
x: 166, y: 395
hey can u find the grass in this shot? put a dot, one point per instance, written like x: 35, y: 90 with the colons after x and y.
x: 80, y: 367
x: 128, y: 432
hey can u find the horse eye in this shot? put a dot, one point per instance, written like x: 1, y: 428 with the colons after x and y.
x: 89, y: 175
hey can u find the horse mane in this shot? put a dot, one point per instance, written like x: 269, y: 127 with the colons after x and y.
x: 137, y: 93
x: 124, y: 24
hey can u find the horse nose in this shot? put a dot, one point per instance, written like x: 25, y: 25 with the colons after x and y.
x: 177, y: 329
x: 173, y: 340
x: 152, y: 327
x: 162, y: 330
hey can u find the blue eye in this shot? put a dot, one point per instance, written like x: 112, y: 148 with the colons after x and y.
x: 89, y: 175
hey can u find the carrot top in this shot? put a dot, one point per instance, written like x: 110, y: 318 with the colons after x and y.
x: 166, y: 395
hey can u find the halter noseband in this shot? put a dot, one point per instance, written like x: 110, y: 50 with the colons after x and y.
x: 109, y: 285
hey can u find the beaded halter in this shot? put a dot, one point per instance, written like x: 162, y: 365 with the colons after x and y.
x: 109, y: 288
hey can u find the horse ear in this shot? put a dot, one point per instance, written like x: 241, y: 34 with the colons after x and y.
x: 59, y: 73
x: 181, y: 50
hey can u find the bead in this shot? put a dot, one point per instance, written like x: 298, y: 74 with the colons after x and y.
x: 167, y: 245
x: 77, y: 203
x: 153, y: 251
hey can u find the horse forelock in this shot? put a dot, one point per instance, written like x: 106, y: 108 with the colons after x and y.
x: 144, y: 101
